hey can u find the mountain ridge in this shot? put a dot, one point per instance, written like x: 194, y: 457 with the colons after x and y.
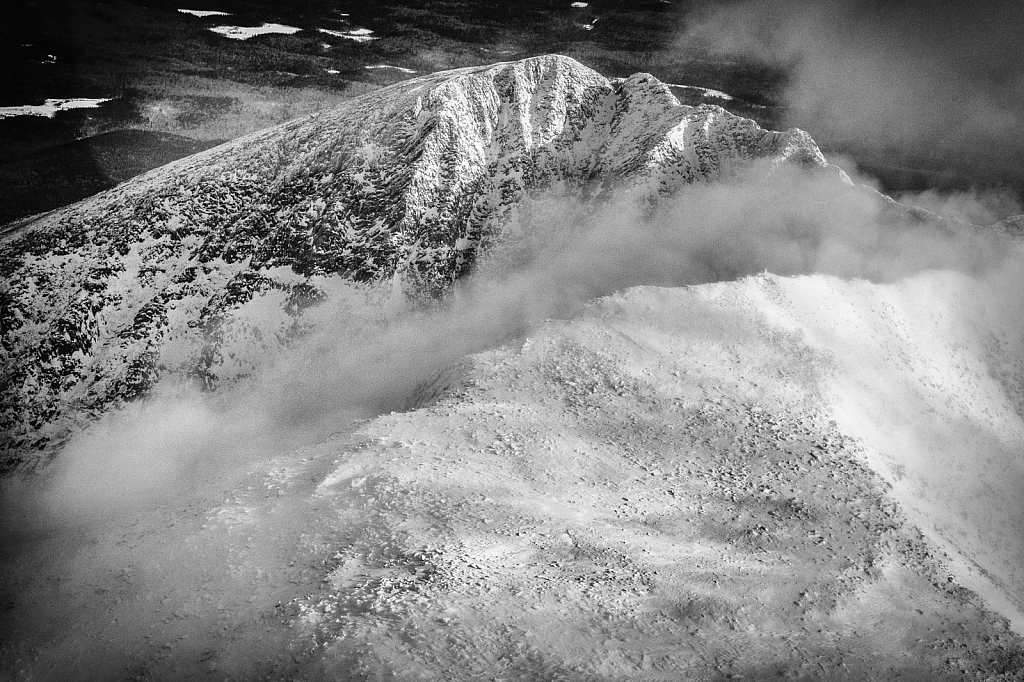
x: 412, y: 184
x: 577, y: 465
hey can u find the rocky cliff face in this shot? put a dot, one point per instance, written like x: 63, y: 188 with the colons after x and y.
x: 413, y: 185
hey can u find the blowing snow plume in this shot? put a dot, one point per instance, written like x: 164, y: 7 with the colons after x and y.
x: 179, y: 467
x: 358, y: 355
x: 283, y: 274
x: 936, y: 84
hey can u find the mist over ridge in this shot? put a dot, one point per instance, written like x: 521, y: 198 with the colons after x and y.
x: 399, y: 364
x: 409, y: 186
x: 321, y: 271
x: 534, y: 187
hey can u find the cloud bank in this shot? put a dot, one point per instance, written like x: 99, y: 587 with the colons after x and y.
x: 940, y: 81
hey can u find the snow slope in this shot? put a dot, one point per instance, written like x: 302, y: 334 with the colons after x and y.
x: 413, y: 185
x: 669, y: 486
x: 929, y: 377
x: 761, y: 477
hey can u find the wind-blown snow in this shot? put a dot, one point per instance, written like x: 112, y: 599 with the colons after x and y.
x: 51, y: 107
x: 927, y: 374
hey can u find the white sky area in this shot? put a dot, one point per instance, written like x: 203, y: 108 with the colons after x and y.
x: 360, y: 35
x: 707, y: 92
x: 205, y: 12
x: 389, y: 66
x: 50, y: 108
x: 246, y: 32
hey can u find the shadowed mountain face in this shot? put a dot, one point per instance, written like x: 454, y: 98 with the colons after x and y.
x: 56, y: 176
x: 414, y: 185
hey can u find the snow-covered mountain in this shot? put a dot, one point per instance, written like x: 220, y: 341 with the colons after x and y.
x: 706, y: 410
x: 413, y: 185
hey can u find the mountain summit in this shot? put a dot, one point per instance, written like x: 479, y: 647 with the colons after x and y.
x: 413, y: 184
x: 612, y: 451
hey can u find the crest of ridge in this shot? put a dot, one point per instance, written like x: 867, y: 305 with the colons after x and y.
x: 410, y: 185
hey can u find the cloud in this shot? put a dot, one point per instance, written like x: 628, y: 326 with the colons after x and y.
x: 364, y: 356
x: 937, y: 80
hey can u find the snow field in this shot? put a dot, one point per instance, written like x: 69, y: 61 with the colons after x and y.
x: 668, y: 463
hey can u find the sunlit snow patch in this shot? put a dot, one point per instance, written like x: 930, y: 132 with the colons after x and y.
x: 389, y: 66
x: 205, y: 12
x: 360, y: 35
x: 50, y: 108
x: 246, y: 32
x: 706, y: 92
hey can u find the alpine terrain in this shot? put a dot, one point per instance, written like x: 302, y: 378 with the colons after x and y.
x: 511, y: 373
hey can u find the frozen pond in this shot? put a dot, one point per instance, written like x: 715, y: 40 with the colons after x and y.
x: 389, y: 66
x: 205, y: 12
x: 360, y: 35
x: 50, y: 107
x: 246, y: 32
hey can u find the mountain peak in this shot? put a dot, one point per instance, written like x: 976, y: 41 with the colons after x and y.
x: 410, y: 185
